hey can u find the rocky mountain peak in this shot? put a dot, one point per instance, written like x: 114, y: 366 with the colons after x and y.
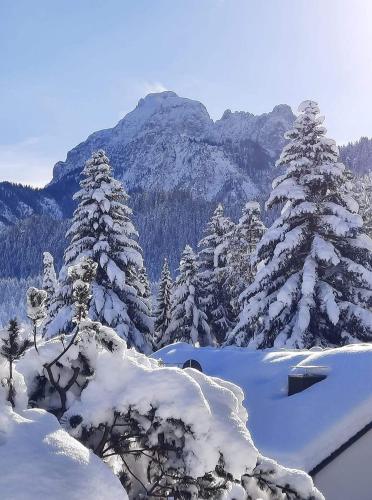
x: 176, y: 163
x: 168, y: 125
x: 167, y: 109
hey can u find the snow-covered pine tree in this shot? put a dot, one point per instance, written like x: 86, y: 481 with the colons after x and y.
x: 188, y: 321
x: 13, y: 346
x: 164, y: 305
x: 213, y: 274
x: 314, y: 283
x: 363, y: 193
x: 36, y: 308
x: 49, y: 277
x: 245, y: 236
x: 102, y: 230
x: 145, y: 290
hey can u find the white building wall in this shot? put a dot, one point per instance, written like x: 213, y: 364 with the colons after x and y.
x: 349, y: 476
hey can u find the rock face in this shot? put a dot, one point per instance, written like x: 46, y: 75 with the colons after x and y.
x: 170, y: 143
x: 176, y: 163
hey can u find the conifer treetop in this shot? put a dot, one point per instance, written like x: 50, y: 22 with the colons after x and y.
x: 188, y: 320
x: 102, y: 214
x: 314, y: 280
x: 164, y: 306
x: 102, y: 230
x: 49, y: 277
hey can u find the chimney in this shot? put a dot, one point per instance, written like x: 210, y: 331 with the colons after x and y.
x: 303, y: 377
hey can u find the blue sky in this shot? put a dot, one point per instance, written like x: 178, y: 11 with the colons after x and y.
x: 69, y: 68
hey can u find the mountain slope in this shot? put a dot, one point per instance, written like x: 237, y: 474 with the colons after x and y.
x: 175, y: 162
x: 18, y: 202
x: 170, y: 143
x: 358, y: 155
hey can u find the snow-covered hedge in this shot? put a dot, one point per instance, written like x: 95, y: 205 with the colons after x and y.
x: 164, y: 431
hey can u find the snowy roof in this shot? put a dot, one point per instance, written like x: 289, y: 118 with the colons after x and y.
x: 301, y: 430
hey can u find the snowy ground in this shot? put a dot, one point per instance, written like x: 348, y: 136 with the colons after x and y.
x: 52, y: 463
x: 301, y: 430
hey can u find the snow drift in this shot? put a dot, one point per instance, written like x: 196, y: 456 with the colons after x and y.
x: 301, y: 430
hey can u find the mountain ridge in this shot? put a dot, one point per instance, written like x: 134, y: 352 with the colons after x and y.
x: 176, y: 164
x: 166, y: 133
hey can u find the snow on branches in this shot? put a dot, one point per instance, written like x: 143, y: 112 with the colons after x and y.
x: 188, y: 320
x: 164, y: 305
x: 314, y: 281
x: 102, y: 230
x: 214, y: 273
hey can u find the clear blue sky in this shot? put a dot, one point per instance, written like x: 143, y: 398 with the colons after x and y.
x: 71, y: 67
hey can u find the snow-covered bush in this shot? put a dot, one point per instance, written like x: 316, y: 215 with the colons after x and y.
x: 164, y: 431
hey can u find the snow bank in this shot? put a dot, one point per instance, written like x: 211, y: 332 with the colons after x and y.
x: 156, y: 397
x: 39, y: 460
x: 301, y: 430
x: 208, y: 405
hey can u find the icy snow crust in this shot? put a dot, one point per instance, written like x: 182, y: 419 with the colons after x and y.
x: 39, y: 460
x: 302, y: 430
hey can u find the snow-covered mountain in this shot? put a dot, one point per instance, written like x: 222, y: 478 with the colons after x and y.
x: 170, y: 143
x: 19, y: 202
x: 176, y: 163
